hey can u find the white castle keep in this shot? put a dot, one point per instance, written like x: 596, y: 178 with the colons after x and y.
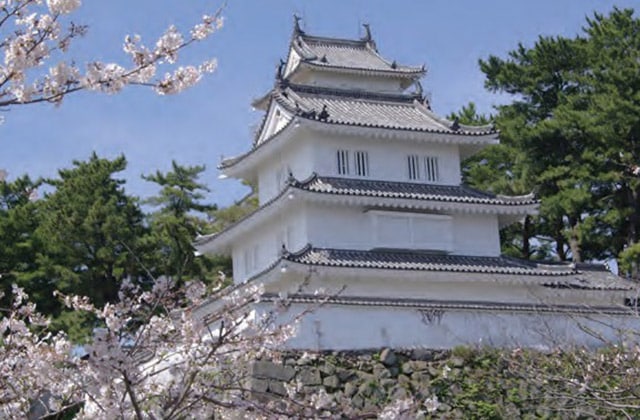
x: 360, y: 193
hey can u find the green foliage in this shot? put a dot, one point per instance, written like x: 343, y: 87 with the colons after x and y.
x: 572, y: 135
x: 89, y: 237
x: 18, y: 220
x: 90, y: 230
x: 86, y: 235
x: 175, y: 225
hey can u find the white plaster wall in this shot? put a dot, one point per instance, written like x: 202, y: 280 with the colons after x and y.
x: 286, y: 227
x: 296, y: 157
x: 334, y: 226
x: 330, y: 226
x: 310, y: 152
x: 335, y: 327
x: 476, y: 234
x: 350, y: 82
x: 387, y: 157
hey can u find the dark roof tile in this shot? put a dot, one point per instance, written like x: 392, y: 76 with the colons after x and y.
x: 376, y: 110
x: 348, y: 54
x: 408, y: 190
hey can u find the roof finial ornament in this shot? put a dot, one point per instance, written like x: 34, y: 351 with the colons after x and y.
x: 296, y: 25
x: 280, y: 72
x: 456, y: 124
x: 367, y: 32
x: 368, y: 38
x: 324, y: 114
x: 419, y: 90
x: 394, y: 65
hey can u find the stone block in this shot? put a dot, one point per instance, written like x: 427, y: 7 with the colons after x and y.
x: 331, y: 381
x: 267, y: 370
x: 398, y: 393
x: 388, y: 357
x: 309, y: 376
x: 357, y: 401
x: 388, y: 383
x: 259, y: 385
x: 407, y: 368
x: 277, y: 387
x: 350, y: 389
x: 345, y: 374
x: 403, y: 379
x: 327, y: 369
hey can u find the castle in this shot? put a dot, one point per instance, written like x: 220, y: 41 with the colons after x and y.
x: 360, y: 193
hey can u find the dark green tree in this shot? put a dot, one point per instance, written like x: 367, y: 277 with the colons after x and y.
x: 18, y: 247
x: 499, y: 169
x: 91, y: 234
x: 176, y: 223
x: 574, y: 121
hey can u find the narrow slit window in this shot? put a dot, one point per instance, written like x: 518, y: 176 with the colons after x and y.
x: 414, y: 167
x: 361, y: 163
x: 343, y: 162
x: 431, y: 169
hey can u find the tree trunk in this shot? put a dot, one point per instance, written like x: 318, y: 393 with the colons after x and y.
x: 574, y: 240
x: 526, y: 236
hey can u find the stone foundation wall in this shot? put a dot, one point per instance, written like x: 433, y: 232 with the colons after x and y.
x: 459, y: 383
x: 370, y: 380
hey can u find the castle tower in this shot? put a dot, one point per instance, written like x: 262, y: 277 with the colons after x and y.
x: 360, y: 195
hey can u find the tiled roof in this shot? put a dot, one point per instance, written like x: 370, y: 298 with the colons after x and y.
x: 426, y: 261
x: 357, y: 108
x: 565, y: 276
x: 384, y: 189
x: 348, y: 54
x: 407, y: 190
x: 428, y: 304
x: 354, y: 108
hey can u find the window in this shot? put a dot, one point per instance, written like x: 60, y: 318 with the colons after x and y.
x: 361, y: 160
x: 431, y: 169
x: 424, y: 168
x: 360, y: 166
x: 343, y: 162
x: 412, y: 230
x: 414, y: 167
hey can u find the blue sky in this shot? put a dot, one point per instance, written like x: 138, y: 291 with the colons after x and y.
x: 215, y: 118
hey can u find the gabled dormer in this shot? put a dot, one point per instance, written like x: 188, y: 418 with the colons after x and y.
x: 344, y: 63
x: 276, y: 118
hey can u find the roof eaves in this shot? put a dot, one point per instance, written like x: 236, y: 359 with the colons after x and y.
x: 205, y: 239
x: 463, y: 129
x: 230, y: 162
x: 291, y: 184
x: 453, y: 304
x: 409, y: 72
x: 474, y: 197
x: 413, y: 129
x: 514, y: 269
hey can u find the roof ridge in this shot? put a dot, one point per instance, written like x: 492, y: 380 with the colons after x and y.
x: 332, y: 40
x: 353, y: 93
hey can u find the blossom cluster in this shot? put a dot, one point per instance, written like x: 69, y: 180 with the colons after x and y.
x: 149, y: 356
x: 35, y: 37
